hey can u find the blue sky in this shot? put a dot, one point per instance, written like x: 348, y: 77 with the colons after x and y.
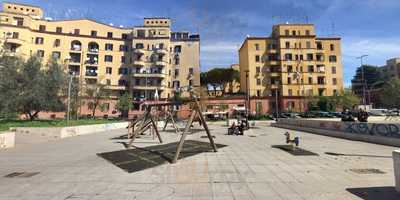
x: 366, y: 26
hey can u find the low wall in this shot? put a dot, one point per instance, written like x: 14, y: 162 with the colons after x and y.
x: 379, y: 133
x: 37, y: 135
x: 7, y: 140
x: 396, y: 163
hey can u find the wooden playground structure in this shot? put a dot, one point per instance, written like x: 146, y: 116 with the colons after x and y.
x: 147, y: 121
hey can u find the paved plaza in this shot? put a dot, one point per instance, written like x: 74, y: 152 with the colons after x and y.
x: 246, y: 168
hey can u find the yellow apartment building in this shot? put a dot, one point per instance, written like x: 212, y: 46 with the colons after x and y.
x: 292, y: 63
x: 142, y: 59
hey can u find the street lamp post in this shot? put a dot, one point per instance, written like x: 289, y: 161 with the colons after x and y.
x: 363, y: 79
x: 276, y: 103
x: 247, y: 95
x: 69, y: 96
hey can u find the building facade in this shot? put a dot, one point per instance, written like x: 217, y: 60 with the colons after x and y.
x: 391, y: 69
x: 292, y: 63
x: 143, y: 60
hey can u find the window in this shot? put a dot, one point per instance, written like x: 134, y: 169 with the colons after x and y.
x: 42, y: 28
x: 308, y: 45
x: 257, y: 46
x: 335, y: 92
x: 257, y: 58
x: 123, y: 48
x: 177, y: 49
x: 290, y: 92
x: 93, y: 33
x: 321, y: 80
x: 108, y: 58
x: 293, y: 32
x: 76, y: 31
x: 289, y: 68
x: 109, y: 35
x: 39, y: 40
x: 310, y: 68
x: 258, y: 81
x: 332, y: 59
x: 307, y: 32
x: 333, y: 70
x: 109, y: 47
x: 56, y: 55
x: 288, y: 56
x: 310, y: 56
x: 287, y: 45
x: 258, y: 70
x: 123, y: 59
x: 108, y: 70
x: 57, y: 42
x: 332, y: 47
x: 15, y: 35
x: 139, y: 46
x: 176, y: 72
x: 310, y: 81
x: 141, y: 33
x: 124, y: 36
x: 40, y: 53
x: 190, y: 71
x: 289, y: 80
x: 286, y: 32
x: 108, y: 82
x: 319, y: 45
x: 258, y: 94
x: 334, y: 81
x: 123, y: 71
x: 58, y: 30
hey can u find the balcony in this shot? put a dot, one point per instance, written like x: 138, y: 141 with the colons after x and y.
x: 149, y: 75
x: 15, y: 41
x: 116, y: 87
x: 162, y: 51
x: 160, y: 63
x: 139, y: 51
x: 91, y: 74
x: 139, y: 62
x: 76, y: 48
x: 93, y: 51
x: 149, y: 87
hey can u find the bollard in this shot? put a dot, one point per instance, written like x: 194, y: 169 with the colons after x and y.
x: 396, y: 165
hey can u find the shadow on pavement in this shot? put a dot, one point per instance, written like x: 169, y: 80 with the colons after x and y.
x: 375, y: 193
x: 360, y: 155
x: 132, y: 160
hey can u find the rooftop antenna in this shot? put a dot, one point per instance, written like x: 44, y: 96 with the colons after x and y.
x: 333, y: 28
x: 307, y: 19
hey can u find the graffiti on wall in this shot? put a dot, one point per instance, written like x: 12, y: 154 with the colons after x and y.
x: 387, y: 130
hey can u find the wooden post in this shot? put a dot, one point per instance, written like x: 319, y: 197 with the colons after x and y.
x: 203, y: 121
x: 183, y: 137
x: 156, y: 130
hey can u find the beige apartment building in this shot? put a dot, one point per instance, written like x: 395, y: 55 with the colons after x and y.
x: 391, y: 69
x: 293, y: 63
x: 142, y: 59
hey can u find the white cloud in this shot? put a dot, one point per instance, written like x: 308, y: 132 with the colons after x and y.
x: 221, y: 47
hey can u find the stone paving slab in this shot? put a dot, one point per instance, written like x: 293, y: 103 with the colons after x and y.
x: 247, y: 168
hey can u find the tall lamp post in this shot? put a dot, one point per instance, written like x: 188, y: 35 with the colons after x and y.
x: 363, y: 78
x: 69, y: 96
x: 276, y: 102
x: 247, y: 95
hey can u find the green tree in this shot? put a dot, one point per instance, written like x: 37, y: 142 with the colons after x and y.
x: 9, y: 84
x: 219, y: 78
x: 391, y: 94
x: 96, y: 95
x: 124, y: 104
x: 372, y: 75
x: 347, y: 100
x: 27, y: 88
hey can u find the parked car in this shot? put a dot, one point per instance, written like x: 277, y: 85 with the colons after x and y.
x: 325, y: 114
